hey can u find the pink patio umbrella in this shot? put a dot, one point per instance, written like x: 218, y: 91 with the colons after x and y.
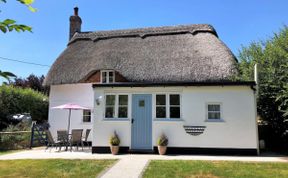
x: 70, y: 107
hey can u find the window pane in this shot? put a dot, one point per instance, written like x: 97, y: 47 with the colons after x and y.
x: 213, y: 107
x: 110, y: 100
x: 174, y: 112
x: 214, y: 115
x: 86, y: 116
x: 160, y: 112
x: 160, y: 99
x: 123, y: 99
x: 86, y: 119
x: 109, y: 112
x: 104, y: 77
x: 174, y: 99
x: 86, y: 112
x: 111, y: 77
x: 123, y: 112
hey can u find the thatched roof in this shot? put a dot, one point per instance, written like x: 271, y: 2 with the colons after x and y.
x: 162, y: 54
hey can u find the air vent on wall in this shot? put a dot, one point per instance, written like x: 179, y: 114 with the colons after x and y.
x: 194, y: 130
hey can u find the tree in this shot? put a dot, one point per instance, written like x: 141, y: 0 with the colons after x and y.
x: 272, y: 58
x: 10, y: 25
x: 32, y: 81
x: 7, y: 75
x: 15, y: 100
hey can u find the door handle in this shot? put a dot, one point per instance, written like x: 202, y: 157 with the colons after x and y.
x: 132, y: 120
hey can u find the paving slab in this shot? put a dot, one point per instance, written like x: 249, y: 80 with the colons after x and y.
x: 128, y: 167
x: 86, y: 154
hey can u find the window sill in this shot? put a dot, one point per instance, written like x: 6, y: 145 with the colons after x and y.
x: 116, y: 119
x: 169, y: 120
x: 214, y: 120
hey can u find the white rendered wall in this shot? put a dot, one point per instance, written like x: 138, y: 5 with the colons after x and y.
x: 238, y: 130
x: 81, y: 94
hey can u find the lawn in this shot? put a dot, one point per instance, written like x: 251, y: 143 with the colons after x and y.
x: 53, y: 168
x: 215, y: 169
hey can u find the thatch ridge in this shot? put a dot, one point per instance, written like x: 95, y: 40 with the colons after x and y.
x: 143, y: 32
x: 158, y: 54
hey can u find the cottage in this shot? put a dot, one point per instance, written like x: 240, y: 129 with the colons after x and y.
x: 144, y: 82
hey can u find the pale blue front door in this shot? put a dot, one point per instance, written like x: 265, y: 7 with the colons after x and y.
x: 141, y: 129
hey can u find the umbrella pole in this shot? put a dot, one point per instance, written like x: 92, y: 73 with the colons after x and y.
x: 69, y: 121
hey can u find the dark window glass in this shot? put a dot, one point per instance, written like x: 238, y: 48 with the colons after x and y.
x: 213, y: 107
x: 174, y: 99
x: 123, y: 106
x: 110, y: 100
x: 110, y: 105
x: 123, y: 112
x: 86, y: 116
x: 111, y: 77
x: 160, y: 99
x: 141, y: 103
x: 160, y: 112
x: 214, y: 111
x: 123, y: 99
x: 174, y: 112
x: 104, y: 77
x: 109, y: 112
x: 214, y: 115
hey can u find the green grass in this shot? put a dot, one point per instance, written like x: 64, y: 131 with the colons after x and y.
x: 213, y: 169
x: 53, y: 168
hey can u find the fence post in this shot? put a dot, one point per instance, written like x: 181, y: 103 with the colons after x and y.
x: 32, y: 134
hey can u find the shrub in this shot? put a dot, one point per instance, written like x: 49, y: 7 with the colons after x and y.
x: 15, y: 100
x: 14, y: 141
x: 114, y: 140
x: 162, y: 140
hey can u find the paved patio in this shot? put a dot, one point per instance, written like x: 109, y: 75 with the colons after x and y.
x: 129, y: 165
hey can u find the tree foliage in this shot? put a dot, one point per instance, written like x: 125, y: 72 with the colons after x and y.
x: 32, y: 81
x: 9, y: 25
x: 15, y: 100
x: 272, y: 59
x: 7, y: 75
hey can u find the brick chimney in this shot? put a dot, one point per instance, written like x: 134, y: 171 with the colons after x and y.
x: 75, y: 23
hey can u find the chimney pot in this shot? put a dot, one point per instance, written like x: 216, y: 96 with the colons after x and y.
x: 76, y: 11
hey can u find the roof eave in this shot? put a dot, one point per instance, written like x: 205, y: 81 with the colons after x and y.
x: 171, y: 84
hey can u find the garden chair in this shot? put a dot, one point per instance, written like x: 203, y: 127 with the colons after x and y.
x: 62, y: 139
x: 76, y: 138
x: 50, y: 141
x: 85, y: 139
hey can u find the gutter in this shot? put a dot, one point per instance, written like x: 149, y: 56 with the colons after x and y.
x: 252, y: 84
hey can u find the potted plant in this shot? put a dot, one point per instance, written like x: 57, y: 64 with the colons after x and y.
x: 114, y: 143
x: 162, y: 143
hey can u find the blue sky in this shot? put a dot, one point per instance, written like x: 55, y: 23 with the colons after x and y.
x: 236, y: 22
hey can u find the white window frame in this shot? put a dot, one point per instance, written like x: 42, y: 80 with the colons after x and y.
x: 87, y: 115
x: 167, y: 97
x: 221, y: 112
x: 116, y: 107
x: 107, y: 76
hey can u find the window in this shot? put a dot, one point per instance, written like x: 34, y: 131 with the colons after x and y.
x: 123, y: 106
x: 86, y: 116
x: 174, y: 106
x: 160, y: 106
x: 168, y: 106
x: 214, y: 111
x: 107, y: 76
x: 110, y: 106
x: 116, y: 106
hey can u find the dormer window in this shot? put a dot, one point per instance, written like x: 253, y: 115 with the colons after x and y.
x: 107, y: 76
